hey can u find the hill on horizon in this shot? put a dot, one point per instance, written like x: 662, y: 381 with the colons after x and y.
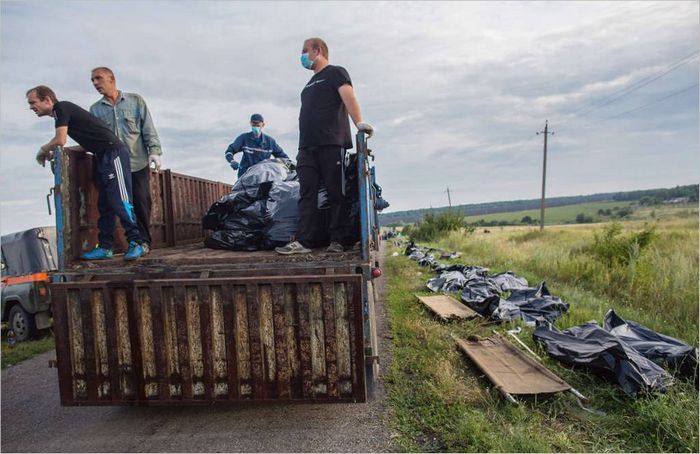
x: 646, y: 196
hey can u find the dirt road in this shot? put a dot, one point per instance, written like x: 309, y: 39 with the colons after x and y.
x: 34, y: 421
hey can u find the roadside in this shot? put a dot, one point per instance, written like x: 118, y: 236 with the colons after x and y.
x: 34, y: 421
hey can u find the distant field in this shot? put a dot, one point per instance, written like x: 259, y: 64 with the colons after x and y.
x: 567, y: 214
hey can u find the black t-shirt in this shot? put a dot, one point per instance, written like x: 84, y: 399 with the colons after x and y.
x: 89, y: 131
x: 323, y: 119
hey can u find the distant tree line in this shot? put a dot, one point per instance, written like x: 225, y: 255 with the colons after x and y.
x: 643, y: 197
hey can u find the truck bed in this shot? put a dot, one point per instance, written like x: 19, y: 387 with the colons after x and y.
x: 195, y: 257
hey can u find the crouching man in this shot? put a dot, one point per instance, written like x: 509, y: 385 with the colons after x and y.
x: 112, y: 161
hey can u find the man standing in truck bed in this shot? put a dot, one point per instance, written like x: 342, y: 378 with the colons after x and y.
x: 128, y: 116
x: 324, y: 136
x: 112, y: 160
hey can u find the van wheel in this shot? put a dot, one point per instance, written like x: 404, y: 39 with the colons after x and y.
x: 21, y: 323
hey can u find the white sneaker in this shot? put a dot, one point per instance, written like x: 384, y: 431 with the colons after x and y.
x: 294, y: 247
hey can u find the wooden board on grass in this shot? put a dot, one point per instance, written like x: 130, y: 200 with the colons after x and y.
x: 447, y: 308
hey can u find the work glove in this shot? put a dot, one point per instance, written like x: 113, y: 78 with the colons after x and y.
x: 234, y: 165
x: 154, y: 161
x: 366, y: 128
x: 290, y: 165
x: 42, y: 156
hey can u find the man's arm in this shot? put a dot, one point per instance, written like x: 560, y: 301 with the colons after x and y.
x: 277, y: 151
x: 59, y: 139
x: 347, y: 94
x: 148, y: 130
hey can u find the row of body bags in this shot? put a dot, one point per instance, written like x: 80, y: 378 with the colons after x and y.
x: 623, y: 351
x: 486, y: 294
x: 261, y: 212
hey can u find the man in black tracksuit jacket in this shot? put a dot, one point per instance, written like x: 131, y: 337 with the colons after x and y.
x: 112, y: 161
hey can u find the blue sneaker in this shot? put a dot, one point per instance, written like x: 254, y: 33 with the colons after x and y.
x: 97, y: 254
x: 135, y: 251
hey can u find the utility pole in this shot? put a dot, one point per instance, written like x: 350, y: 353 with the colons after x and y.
x: 544, y: 171
x: 449, y: 200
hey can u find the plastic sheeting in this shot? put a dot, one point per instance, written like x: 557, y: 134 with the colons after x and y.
x: 592, y: 346
x: 659, y: 348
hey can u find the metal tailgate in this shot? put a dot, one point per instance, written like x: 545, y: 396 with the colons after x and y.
x: 210, y: 340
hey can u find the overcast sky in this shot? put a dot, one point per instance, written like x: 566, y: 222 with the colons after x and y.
x: 456, y: 91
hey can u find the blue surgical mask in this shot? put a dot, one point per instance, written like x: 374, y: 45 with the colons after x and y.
x: 256, y: 130
x: 306, y: 62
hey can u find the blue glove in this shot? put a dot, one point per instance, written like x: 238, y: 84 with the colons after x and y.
x: 234, y: 165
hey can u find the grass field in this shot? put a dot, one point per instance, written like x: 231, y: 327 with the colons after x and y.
x: 440, y: 403
x: 14, y: 354
x: 568, y: 213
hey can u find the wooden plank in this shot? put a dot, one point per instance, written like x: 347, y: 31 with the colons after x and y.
x: 356, y: 336
x: 59, y: 303
x: 304, y: 340
x: 230, y: 333
x: 267, y: 340
x: 243, y: 342
x: 318, y: 357
x: 77, y: 346
x: 447, y: 308
x: 194, y: 335
x: 256, y: 359
x: 112, y: 344
x: 292, y: 338
x: 183, y: 344
x: 218, y: 340
x: 135, y: 342
x: 147, y: 347
x: 342, y: 330
x: 279, y: 320
x: 158, y: 320
x: 330, y: 343
x: 127, y: 374
x: 171, y: 349
x: 205, y: 314
x: 101, y: 355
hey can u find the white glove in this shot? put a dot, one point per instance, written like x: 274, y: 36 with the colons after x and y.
x: 155, y: 160
x: 365, y: 127
x: 42, y: 156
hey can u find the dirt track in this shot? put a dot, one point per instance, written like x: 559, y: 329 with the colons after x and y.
x: 34, y: 421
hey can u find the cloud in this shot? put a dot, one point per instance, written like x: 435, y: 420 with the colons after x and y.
x: 456, y: 90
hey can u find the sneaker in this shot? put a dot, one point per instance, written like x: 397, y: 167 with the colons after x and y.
x: 335, y: 247
x: 135, y: 251
x: 294, y: 247
x: 97, y: 254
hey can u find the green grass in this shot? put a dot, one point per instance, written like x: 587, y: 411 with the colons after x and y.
x: 441, y: 404
x: 21, y: 351
x: 567, y: 214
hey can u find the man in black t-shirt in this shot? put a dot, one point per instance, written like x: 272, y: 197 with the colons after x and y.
x: 112, y: 162
x: 324, y: 136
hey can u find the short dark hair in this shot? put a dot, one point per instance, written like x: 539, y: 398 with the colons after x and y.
x: 43, y: 92
x: 105, y: 69
x: 318, y: 43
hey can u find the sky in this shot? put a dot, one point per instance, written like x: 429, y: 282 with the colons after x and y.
x: 456, y: 91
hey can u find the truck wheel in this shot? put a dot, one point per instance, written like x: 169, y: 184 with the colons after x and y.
x: 21, y: 323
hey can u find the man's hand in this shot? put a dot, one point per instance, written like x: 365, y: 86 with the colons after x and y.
x: 42, y: 155
x: 234, y: 165
x: 365, y: 127
x: 155, y: 160
x: 290, y: 165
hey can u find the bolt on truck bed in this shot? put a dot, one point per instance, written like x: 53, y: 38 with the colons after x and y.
x: 188, y: 325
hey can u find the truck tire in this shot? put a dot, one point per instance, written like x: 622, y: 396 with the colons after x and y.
x: 21, y: 323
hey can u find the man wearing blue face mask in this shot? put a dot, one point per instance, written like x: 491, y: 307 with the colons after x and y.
x: 255, y: 146
x: 324, y: 136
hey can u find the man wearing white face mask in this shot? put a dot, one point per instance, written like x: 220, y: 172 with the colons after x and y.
x: 255, y: 146
x: 324, y: 136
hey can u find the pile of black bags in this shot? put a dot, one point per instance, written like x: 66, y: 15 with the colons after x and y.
x: 261, y: 212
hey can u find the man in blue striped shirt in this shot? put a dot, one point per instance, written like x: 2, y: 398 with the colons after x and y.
x: 255, y: 146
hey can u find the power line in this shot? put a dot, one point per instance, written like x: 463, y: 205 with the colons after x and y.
x: 675, y: 93
x: 631, y: 88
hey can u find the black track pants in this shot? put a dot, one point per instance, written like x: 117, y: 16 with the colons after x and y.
x: 324, y: 164
x: 141, y: 185
x: 114, y: 198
